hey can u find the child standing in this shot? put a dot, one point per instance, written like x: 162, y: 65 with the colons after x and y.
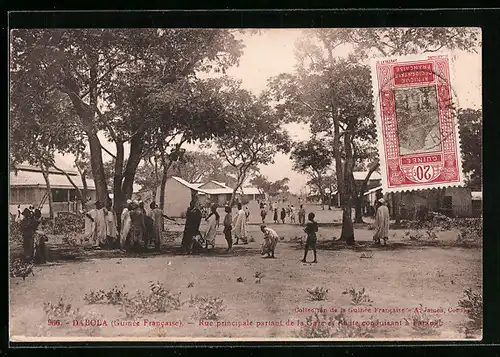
x: 228, y: 219
x: 311, y: 229
x: 275, y: 215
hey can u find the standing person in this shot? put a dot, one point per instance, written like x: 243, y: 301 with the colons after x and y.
x: 247, y: 213
x: 263, y: 214
x: 111, y: 229
x: 90, y: 217
x: 158, y: 223
x: 275, y: 216
x: 302, y: 215
x: 137, y: 226
x: 292, y: 214
x: 240, y: 226
x: 100, y: 225
x: 270, y: 241
x: 213, y: 220
x: 19, y: 215
x: 148, y: 225
x: 28, y: 228
x: 192, y: 226
x: 288, y: 211
x: 283, y: 215
x: 126, y: 222
x: 311, y: 229
x: 381, y: 222
x: 228, y: 220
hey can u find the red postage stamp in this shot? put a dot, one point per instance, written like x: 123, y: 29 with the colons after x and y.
x: 419, y: 145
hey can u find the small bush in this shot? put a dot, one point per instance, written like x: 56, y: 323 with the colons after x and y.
x: 318, y: 294
x: 358, y: 297
x: 208, y: 308
x: 115, y: 296
x: 422, y: 324
x: 158, y: 300
x: 66, y: 315
x: 473, y: 302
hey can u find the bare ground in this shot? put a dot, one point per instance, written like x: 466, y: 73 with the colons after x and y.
x: 403, y: 275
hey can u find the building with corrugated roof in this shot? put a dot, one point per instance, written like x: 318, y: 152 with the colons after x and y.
x: 28, y: 187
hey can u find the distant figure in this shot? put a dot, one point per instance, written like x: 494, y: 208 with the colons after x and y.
x: 302, y: 215
x: 288, y: 210
x: 263, y: 214
x: 283, y: 215
x: 270, y: 240
x: 381, y: 222
x: 228, y: 219
x: 292, y: 214
x: 240, y: 225
x: 311, y: 229
x: 275, y: 217
x: 262, y: 205
x: 125, y: 224
x: 19, y: 215
x: 247, y: 213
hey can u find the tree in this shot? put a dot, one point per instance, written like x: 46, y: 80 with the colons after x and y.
x: 272, y: 189
x: 110, y: 76
x: 333, y: 94
x: 471, y: 135
x: 32, y: 135
x: 254, y: 137
x: 313, y: 158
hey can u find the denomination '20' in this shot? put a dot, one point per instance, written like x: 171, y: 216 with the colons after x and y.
x: 423, y: 173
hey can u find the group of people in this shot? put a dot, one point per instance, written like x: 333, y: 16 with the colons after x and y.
x: 288, y: 212
x: 139, y: 228
x: 193, y: 239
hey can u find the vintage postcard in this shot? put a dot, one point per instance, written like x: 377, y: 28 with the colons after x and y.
x: 419, y: 143
x: 184, y: 184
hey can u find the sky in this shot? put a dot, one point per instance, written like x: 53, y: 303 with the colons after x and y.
x: 272, y: 52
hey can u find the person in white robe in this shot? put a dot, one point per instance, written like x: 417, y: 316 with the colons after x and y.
x: 125, y: 222
x: 240, y: 225
x: 381, y: 222
x: 100, y: 224
x: 213, y: 222
x: 111, y: 229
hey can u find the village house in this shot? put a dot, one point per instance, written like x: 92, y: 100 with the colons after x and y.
x: 453, y: 201
x: 178, y: 194
x: 28, y: 187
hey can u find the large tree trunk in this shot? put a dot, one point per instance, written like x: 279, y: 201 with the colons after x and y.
x: 118, y: 196
x: 163, y: 185
x: 348, y: 179
x: 136, y: 146
x: 45, y: 173
x: 358, y: 217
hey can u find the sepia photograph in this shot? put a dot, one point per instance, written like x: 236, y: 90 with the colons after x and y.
x: 246, y: 184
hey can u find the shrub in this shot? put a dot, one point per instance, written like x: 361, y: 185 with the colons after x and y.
x: 473, y: 302
x: 318, y: 294
x: 208, y: 308
x: 115, y: 296
x: 358, y: 297
x: 422, y: 324
x: 471, y: 230
x: 158, y: 300
x: 66, y: 315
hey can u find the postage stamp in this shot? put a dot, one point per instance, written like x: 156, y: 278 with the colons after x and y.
x: 419, y: 144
